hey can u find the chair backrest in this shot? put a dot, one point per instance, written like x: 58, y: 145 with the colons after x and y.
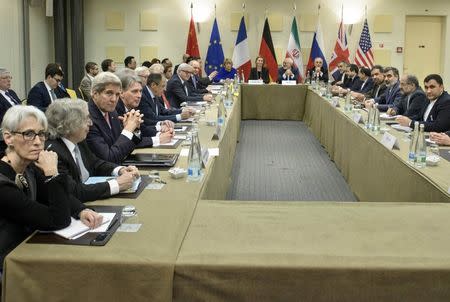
x: 72, y: 93
x: 80, y: 92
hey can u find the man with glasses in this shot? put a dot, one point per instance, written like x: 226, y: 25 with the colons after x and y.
x: 413, y: 98
x: 177, y: 89
x: 44, y: 93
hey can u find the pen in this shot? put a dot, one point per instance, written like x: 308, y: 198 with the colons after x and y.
x: 48, y: 147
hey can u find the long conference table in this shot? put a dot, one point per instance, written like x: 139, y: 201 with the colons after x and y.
x: 195, y: 246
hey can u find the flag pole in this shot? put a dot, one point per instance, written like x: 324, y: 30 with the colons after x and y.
x: 215, y: 11
x: 294, y: 6
x: 243, y: 8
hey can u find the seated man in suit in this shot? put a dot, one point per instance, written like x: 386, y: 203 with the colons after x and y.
x: 378, y: 87
x: 69, y: 123
x: 86, y: 83
x: 318, y: 71
x: 197, y: 83
x: 44, y: 93
x: 340, y: 74
x: 413, y: 99
x: 288, y: 72
x: 131, y: 98
x: 441, y: 138
x: 352, y: 81
x: 8, y: 98
x: 108, y: 65
x: 177, y: 88
x: 110, y: 138
x: 392, y: 92
x: 151, y: 104
x: 366, y: 80
x: 436, y: 114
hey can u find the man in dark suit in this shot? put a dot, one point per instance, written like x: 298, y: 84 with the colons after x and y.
x: 44, y: 93
x: 110, y: 138
x: 8, y: 98
x: 436, y: 114
x: 378, y: 88
x: 352, y: 80
x: 131, y: 99
x: 288, y: 72
x: 151, y: 104
x: 69, y: 124
x: 199, y: 84
x: 413, y: 99
x: 177, y: 89
x: 392, y: 92
x: 366, y: 80
x: 318, y: 71
x: 340, y: 74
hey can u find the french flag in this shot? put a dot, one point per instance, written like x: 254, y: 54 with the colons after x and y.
x: 241, y: 54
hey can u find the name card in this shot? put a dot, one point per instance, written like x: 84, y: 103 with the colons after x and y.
x: 256, y: 82
x: 389, y: 141
x: 288, y: 82
x: 448, y: 190
x: 357, y: 118
x: 205, y: 157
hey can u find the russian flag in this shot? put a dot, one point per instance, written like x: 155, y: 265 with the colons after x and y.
x: 317, y: 48
x: 241, y: 54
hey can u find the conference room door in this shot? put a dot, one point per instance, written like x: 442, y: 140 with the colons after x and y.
x: 423, y: 46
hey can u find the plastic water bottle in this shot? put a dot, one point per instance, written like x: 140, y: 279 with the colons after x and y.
x: 348, y: 102
x: 369, y: 123
x: 242, y: 77
x: 376, y: 119
x: 421, y: 148
x: 413, y: 144
x: 194, y: 158
x: 328, y: 93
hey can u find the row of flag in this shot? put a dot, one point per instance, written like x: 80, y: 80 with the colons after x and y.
x: 241, y: 55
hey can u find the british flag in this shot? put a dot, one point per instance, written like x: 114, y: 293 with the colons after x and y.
x: 340, y: 52
x: 364, y: 55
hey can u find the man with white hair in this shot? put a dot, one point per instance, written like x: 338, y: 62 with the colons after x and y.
x: 8, y: 98
x: 178, y: 91
x: 199, y: 84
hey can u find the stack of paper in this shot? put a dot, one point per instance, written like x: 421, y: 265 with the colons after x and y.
x: 77, y: 229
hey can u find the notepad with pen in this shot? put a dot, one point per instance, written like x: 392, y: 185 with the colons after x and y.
x: 82, y: 235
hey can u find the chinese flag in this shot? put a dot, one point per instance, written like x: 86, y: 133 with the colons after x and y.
x: 192, y: 45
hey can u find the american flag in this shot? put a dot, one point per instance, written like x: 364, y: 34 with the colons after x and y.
x: 364, y: 55
x: 340, y: 53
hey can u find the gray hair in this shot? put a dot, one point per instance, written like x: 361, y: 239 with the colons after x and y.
x: 14, y: 117
x: 128, y: 78
x: 185, y: 67
x: 140, y: 69
x: 156, y: 68
x: 66, y: 116
x: 4, y: 71
x: 104, y: 79
x: 412, y: 79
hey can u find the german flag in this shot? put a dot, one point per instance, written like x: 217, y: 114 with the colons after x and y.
x: 267, y: 51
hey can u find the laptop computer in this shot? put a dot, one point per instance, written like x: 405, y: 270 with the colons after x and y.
x: 151, y: 160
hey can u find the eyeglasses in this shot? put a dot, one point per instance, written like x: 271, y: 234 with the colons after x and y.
x: 30, y: 135
x: 57, y: 79
x: 6, y: 77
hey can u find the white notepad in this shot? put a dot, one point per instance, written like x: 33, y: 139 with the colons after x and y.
x: 76, y: 228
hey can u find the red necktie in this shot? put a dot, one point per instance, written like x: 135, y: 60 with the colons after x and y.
x: 107, y: 119
x: 166, y: 102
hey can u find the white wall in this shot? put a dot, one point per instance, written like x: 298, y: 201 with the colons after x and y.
x: 174, y: 17
x: 11, y: 50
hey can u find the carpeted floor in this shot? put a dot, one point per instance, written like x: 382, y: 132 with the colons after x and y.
x: 282, y: 160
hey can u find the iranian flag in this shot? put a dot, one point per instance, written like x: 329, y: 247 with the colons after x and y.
x: 294, y: 50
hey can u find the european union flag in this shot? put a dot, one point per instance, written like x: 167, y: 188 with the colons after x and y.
x: 214, y: 57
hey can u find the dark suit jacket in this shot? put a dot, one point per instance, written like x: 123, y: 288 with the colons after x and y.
x: 263, y: 74
x: 108, y: 143
x: 323, y: 77
x: 61, y: 92
x: 39, y: 97
x: 5, y: 104
x: 337, y: 76
x: 386, y: 100
x: 439, y: 118
x: 375, y: 92
x: 411, y: 105
x: 354, y: 84
x: 94, y: 165
x: 199, y: 86
x: 176, y: 93
x: 148, y: 107
x: 281, y: 71
x: 147, y: 130
x: 367, y: 86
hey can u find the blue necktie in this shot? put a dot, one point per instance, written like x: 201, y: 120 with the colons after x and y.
x: 156, y: 106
